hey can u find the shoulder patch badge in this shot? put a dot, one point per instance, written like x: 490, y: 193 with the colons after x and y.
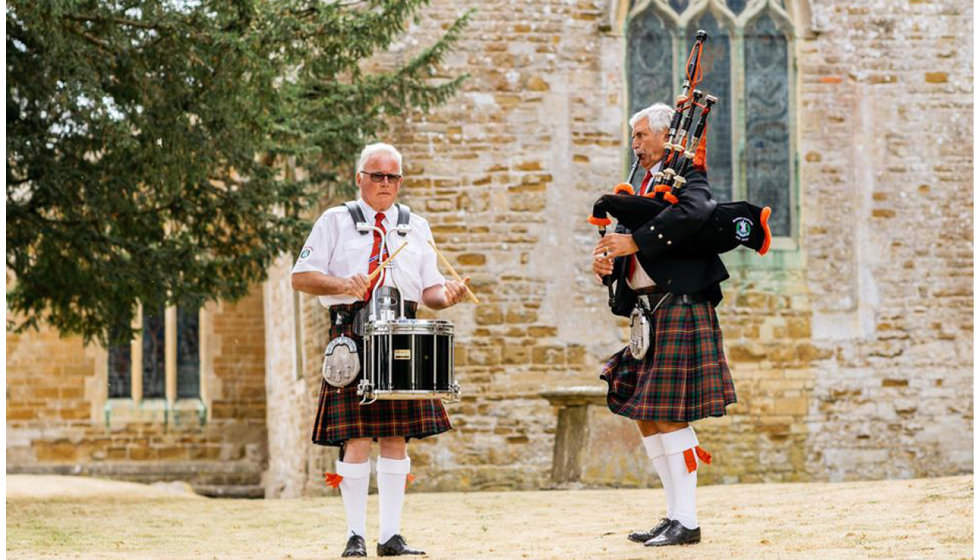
x: 743, y: 228
x: 305, y: 252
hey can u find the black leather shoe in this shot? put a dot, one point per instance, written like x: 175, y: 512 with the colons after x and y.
x: 355, y: 547
x: 396, y: 546
x: 675, y: 533
x: 644, y: 536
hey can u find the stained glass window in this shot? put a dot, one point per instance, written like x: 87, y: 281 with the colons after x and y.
x: 650, y: 67
x: 767, y: 165
x: 120, y: 369
x: 152, y: 362
x: 188, y: 353
x: 679, y: 5
x: 154, y: 354
x: 749, y: 138
x: 717, y: 67
x: 736, y: 6
x: 649, y: 62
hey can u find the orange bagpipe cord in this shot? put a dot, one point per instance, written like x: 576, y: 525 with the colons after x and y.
x: 698, y: 74
x: 696, y: 78
x: 701, y: 152
x: 700, y: 161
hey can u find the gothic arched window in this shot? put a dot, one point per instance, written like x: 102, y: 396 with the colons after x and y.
x: 748, y: 64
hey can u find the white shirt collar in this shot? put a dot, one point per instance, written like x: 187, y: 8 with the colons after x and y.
x: 391, y: 214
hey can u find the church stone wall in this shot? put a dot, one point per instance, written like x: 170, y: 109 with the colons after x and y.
x: 851, y: 352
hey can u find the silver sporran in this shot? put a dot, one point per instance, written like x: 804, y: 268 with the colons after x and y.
x: 340, y: 362
x: 639, y: 334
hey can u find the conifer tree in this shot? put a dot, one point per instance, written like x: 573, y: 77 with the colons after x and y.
x: 143, y: 138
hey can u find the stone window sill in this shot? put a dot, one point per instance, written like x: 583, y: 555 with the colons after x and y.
x: 182, y: 413
x: 784, y: 254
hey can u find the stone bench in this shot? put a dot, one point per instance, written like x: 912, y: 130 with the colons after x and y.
x: 593, y: 446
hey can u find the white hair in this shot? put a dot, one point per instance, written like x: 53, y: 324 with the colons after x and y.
x: 377, y: 148
x: 658, y: 117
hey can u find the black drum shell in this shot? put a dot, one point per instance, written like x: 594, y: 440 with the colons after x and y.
x: 409, y: 358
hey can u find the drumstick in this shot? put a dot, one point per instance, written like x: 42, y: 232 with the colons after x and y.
x: 452, y: 271
x: 377, y: 271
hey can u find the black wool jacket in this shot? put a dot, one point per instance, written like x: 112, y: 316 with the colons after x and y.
x: 677, y: 273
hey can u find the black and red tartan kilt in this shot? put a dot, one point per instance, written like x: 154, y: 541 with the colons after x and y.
x: 684, y: 375
x: 341, y: 417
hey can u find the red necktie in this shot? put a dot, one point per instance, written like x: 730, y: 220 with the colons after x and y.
x: 646, y: 183
x: 631, y: 266
x: 376, y: 256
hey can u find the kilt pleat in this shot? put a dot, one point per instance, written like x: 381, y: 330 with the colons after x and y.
x: 684, y: 375
x: 340, y: 417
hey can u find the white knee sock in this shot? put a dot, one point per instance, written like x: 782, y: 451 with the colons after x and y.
x: 354, y: 490
x: 683, y: 480
x: 655, y: 450
x: 391, y: 495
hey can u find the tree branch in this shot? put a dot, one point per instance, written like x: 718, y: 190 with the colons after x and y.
x: 117, y: 21
x: 154, y: 210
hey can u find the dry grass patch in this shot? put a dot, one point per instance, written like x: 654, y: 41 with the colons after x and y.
x: 925, y: 518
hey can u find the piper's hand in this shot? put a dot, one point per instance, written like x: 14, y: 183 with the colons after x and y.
x: 615, y: 245
x: 601, y: 267
x: 456, y: 291
x: 356, y: 286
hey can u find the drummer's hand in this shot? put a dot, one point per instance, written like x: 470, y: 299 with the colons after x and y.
x: 456, y: 291
x: 601, y: 267
x: 615, y: 245
x: 356, y: 286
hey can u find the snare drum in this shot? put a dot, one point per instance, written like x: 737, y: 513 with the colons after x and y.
x: 408, y: 359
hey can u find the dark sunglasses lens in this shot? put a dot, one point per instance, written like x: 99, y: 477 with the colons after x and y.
x: 378, y: 177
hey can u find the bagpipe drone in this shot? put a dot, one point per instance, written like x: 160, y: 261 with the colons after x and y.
x: 731, y: 223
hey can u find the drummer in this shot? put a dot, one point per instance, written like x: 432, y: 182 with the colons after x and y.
x: 335, y: 263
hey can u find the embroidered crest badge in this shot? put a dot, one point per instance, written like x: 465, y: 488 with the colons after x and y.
x: 743, y: 228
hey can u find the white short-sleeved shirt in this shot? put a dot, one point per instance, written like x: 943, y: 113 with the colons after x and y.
x: 336, y: 248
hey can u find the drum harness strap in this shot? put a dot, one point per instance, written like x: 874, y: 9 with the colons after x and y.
x: 404, y: 214
x: 363, y: 227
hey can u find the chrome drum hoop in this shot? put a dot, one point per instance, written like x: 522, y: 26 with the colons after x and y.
x: 409, y: 326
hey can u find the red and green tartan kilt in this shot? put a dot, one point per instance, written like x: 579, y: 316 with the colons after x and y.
x: 340, y: 417
x: 684, y: 375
